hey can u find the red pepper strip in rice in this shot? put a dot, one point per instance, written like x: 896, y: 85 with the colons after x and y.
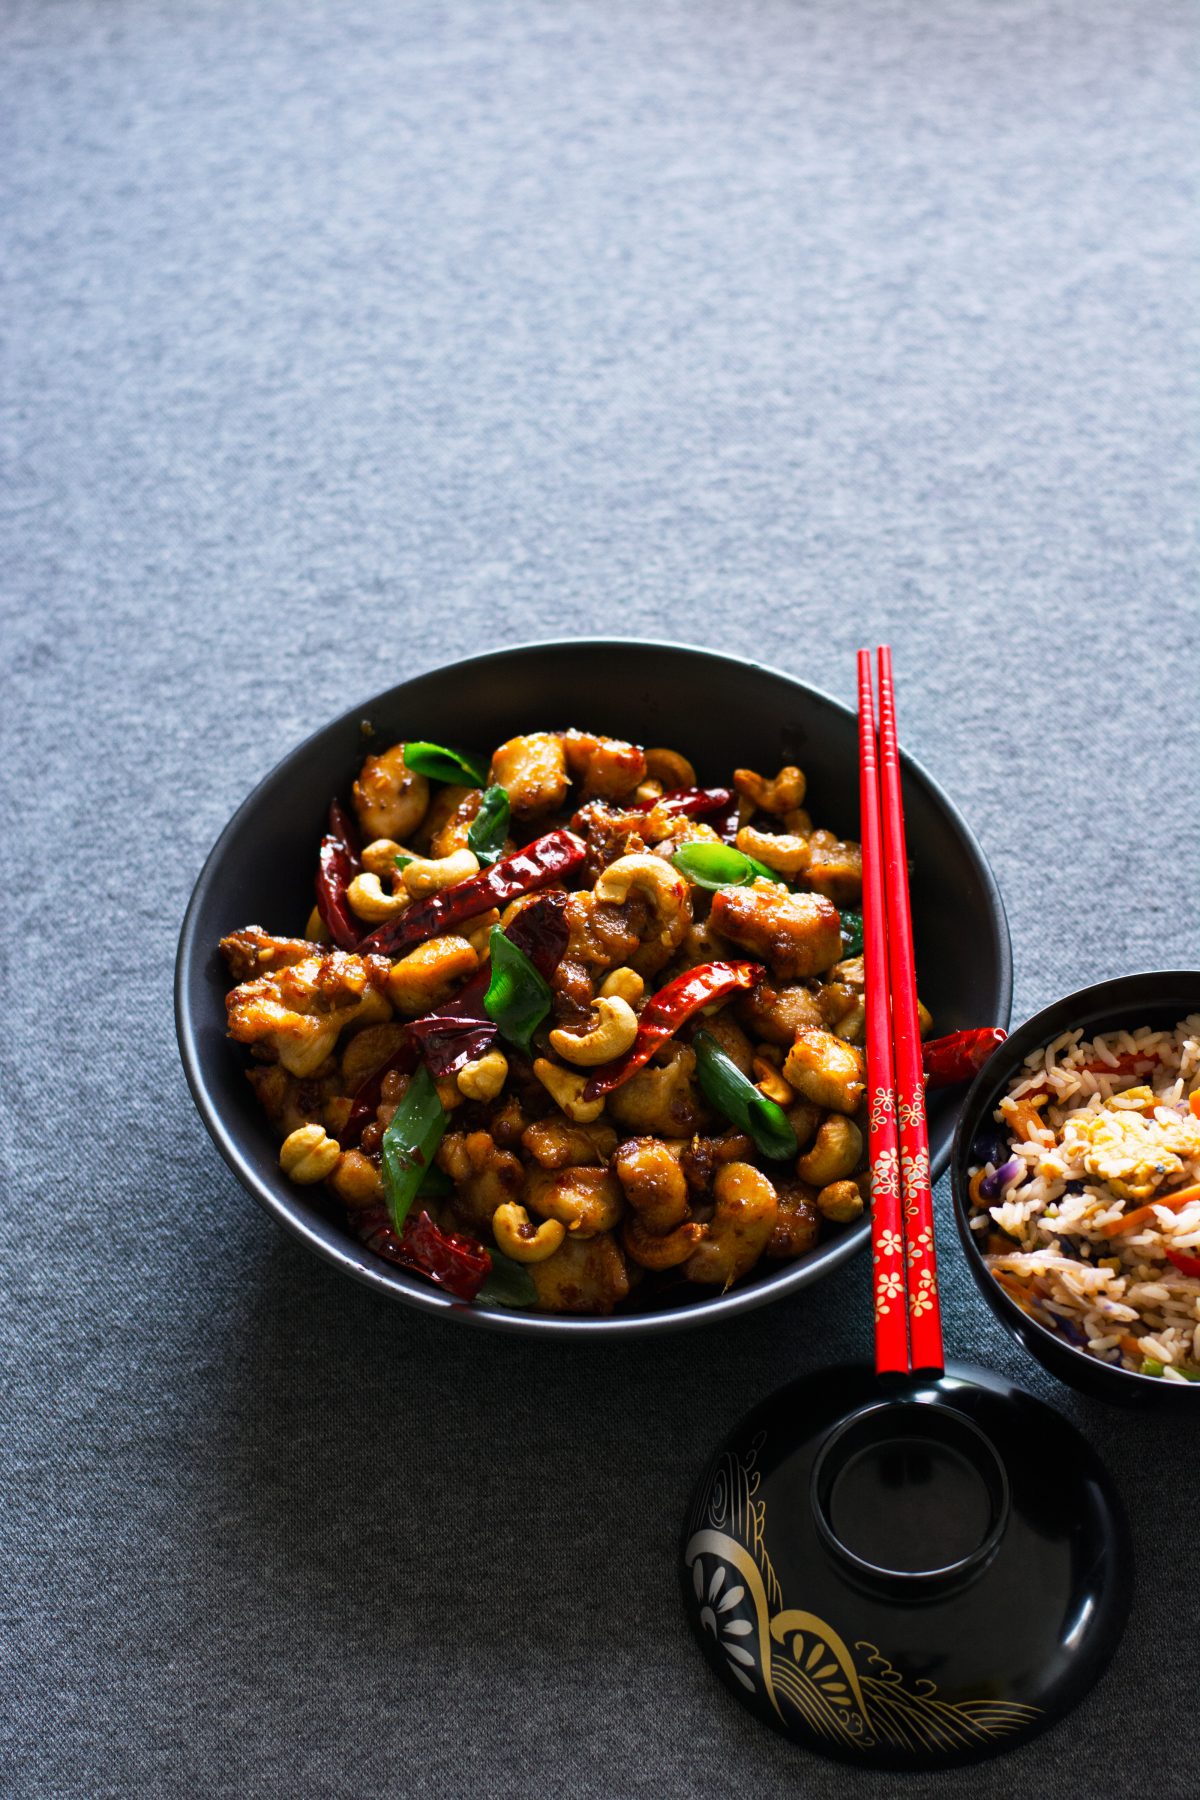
x: 670, y: 1008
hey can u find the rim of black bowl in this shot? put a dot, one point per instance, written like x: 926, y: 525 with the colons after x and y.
x: 354, y: 1259
x: 1121, y: 994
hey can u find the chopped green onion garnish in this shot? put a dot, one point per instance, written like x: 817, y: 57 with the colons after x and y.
x: 489, y: 828
x: 518, y: 998
x: 740, y: 1101
x: 508, y: 1284
x: 410, y: 1144
x: 713, y: 866
x: 439, y: 764
x: 401, y: 860
x: 852, y: 932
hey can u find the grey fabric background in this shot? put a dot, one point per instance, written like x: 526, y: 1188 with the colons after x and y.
x: 345, y: 337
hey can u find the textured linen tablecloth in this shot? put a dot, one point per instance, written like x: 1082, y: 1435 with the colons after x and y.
x: 343, y: 338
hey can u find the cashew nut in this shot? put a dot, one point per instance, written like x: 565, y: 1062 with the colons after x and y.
x: 666, y: 890
x: 483, y: 1079
x: 623, y: 984
x: 742, y: 1221
x: 648, y: 791
x: 369, y: 901
x: 565, y: 1087
x: 308, y: 1154
x: 671, y: 769
x: 840, y: 1202
x: 612, y: 1034
x: 380, y: 856
x: 517, y: 1236
x: 834, y: 1154
x: 389, y: 799
x: 665, y: 1251
x: 770, y: 1082
x: 789, y: 855
x: 780, y: 795
x: 423, y: 977
x: 428, y: 875
x: 826, y: 1070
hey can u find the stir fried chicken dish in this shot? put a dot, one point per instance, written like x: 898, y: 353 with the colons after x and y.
x: 565, y: 1029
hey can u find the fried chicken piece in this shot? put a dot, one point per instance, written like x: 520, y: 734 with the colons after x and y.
x: 586, y: 1275
x: 297, y: 1011
x: 797, y: 1221
x: 609, y: 834
x: 795, y: 934
x: 661, y: 1100
x: 775, y: 1014
x: 607, y: 768
x: 251, y: 950
x: 533, y: 771
x: 484, y: 1176
x: 834, y: 869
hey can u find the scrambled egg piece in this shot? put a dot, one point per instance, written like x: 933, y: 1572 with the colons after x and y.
x: 1133, y: 1154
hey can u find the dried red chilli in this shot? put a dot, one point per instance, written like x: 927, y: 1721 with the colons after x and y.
x: 692, y: 803
x: 670, y: 1008
x: 547, y: 859
x: 960, y: 1056
x: 337, y: 865
x: 457, y: 1263
x: 461, y: 1030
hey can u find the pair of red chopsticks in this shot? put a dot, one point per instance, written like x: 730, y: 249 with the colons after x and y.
x: 908, y: 1320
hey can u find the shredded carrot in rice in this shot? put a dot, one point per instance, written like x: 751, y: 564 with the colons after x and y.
x: 1144, y: 1215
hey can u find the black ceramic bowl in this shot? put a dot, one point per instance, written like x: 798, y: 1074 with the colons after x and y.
x: 1124, y: 1004
x: 722, y: 713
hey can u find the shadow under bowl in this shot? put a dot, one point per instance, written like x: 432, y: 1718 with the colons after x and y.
x: 1125, y: 1003
x: 723, y: 713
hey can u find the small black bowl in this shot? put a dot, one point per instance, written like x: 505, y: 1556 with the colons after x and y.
x: 722, y: 713
x: 1124, y: 1004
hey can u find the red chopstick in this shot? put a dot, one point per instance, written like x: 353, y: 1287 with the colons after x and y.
x: 925, y: 1318
x: 889, y: 1278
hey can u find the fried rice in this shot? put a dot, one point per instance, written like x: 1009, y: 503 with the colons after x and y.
x: 1088, y: 1205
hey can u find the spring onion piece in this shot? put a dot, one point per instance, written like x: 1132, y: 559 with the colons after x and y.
x: 488, y: 830
x: 439, y: 764
x: 401, y: 860
x: 1152, y: 1366
x: 734, y: 1095
x: 508, y: 1283
x: 518, y: 998
x: 410, y: 1144
x: 852, y: 932
x: 715, y: 866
